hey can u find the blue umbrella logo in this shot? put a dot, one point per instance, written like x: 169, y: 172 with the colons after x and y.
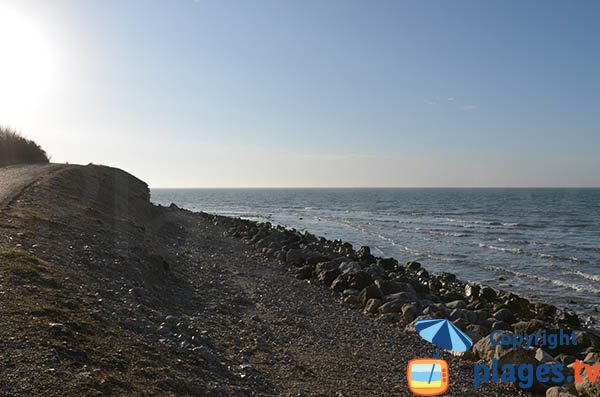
x: 444, y: 334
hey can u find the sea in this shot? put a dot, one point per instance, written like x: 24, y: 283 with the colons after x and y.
x: 543, y: 244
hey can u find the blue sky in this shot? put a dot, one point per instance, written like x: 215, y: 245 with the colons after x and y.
x: 321, y: 93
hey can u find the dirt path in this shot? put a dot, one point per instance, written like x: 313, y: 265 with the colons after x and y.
x: 14, y: 179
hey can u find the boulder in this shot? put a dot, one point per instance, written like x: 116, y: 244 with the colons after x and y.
x: 592, y: 357
x: 412, y: 265
x: 372, y: 305
x: 389, y: 287
x: 405, y: 297
x: 328, y: 276
x: 544, y: 357
x: 505, y: 315
x: 349, y: 267
x: 372, y: 291
x: 359, y: 280
x: 295, y: 257
x: 528, y: 327
x: 410, y: 312
x: 487, y: 293
x: 394, y: 306
x: 472, y: 291
x: 340, y: 283
x: 457, y: 304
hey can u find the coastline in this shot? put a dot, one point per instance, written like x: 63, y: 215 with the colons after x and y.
x: 109, y: 294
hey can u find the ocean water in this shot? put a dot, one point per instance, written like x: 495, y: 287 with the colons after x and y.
x: 541, y: 243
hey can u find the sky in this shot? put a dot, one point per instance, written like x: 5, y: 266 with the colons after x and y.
x: 322, y: 93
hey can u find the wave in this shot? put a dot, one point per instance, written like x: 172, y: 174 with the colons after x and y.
x: 502, y: 249
x: 546, y: 280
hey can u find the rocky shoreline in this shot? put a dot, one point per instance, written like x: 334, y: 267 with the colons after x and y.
x: 404, y: 293
x: 105, y: 294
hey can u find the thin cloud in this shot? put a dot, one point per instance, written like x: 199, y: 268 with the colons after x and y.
x: 468, y: 108
x: 450, y: 99
x: 427, y: 101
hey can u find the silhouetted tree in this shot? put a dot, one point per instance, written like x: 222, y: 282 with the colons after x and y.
x: 15, y: 149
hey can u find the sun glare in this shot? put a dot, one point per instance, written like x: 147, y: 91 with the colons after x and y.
x: 27, y: 64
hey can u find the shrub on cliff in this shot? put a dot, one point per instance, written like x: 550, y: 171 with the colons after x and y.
x: 15, y: 149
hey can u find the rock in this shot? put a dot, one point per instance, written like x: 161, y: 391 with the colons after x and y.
x: 372, y: 305
x: 304, y: 272
x: 528, y: 327
x: 558, y: 391
x: 295, y: 257
x: 352, y: 300
x: 405, y: 297
x: 472, y: 291
x: 467, y: 315
x: 364, y: 255
x: 328, y: 276
x: 542, y: 356
x: 372, y: 291
x: 423, y: 273
x: 501, y: 325
x: 518, y: 305
x: 565, y: 359
x: 388, y: 264
x: 592, y: 357
x: 412, y: 265
x: 359, y: 280
x: 487, y: 293
x: 349, y: 267
x: 389, y: 287
x: 388, y: 317
x: 314, y: 257
x: 363, y: 251
x: 568, y: 318
x: 410, y: 312
x: 505, y: 315
x: 394, y: 306
x: 457, y: 304
x: 447, y: 278
x: 376, y: 271
x: 544, y: 310
x: 340, y: 283
x: 435, y: 285
x: 324, y: 266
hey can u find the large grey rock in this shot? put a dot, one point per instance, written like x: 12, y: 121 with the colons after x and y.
x: 505, y: 315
